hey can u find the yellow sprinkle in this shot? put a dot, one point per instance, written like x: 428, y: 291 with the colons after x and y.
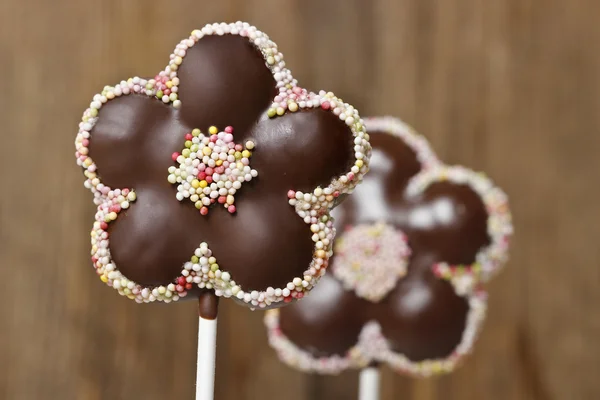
x: 280, y: 111
x: 219, y: 162
x: 202, y: 184
x: 238, y: 155
x: 359, y: 163
x: 198, y: 204
x: 207, y: 151
x: 196, y: 132
x: 246, y: 154
x: 169, y: 84
x: 94, y: 112
x: 213, y: 130
x: 195, y: 183
x: 103, y: 278
x: 293, y: 107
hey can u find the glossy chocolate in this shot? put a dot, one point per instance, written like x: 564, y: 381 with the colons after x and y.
x: 224, y: 82
x: 422, y: 318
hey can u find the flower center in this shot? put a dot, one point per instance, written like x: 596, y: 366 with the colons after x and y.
x: 211, y: 168
x: 370, y: 258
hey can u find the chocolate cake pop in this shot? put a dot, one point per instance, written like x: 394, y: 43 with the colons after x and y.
x: 218, y: 174
x: 416, y: 241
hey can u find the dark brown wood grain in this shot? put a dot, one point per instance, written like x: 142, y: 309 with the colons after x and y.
x: 510, y: 87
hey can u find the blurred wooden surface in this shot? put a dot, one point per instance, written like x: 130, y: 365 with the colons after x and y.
x: 510, y: 87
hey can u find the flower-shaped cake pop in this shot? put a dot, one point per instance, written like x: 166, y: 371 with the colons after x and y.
x: 223, y: 126
x: 419, y: 239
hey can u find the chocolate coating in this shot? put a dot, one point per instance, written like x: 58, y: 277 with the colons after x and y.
x: 223, y: 82
x: 422, y: 317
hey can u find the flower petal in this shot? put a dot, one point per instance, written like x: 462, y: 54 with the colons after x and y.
x: 152, y: 240
x: 302, y: 150
x: 423, y: 318
x: 224, y: 82
x: 325, y: 323
x: 133, y: 140
x: 448, y: 222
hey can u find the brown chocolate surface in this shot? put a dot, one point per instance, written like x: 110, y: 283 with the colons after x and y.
x: 224, y: 82
x: 423, y: 317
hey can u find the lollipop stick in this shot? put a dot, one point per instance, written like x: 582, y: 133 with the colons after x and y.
x: 368, y: 386
x: 207, y: 346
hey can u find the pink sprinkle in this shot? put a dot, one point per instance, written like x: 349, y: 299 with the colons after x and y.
x: 231, y: 209
x: 167, y: 92
x: 291, y: 194
x: 297, y: 90
x: 204, y: 210
x: 125, y: 192
x: 174, y: 156
x: 300, y: 295
x: 214, y: 138
x: 222, y: 199
x: 229, y: 129
x: 209, y: 171
x: 103, y: 225
x: 278, y: 99
x: 220, y: 170
x: 188, y: 136
x: 336, y: 194
x: 325, y: 105
x: 351, y: 176
x: 238, y: 147
x: 202, y: 176
x: 85, y: 142
x: 209, y: 179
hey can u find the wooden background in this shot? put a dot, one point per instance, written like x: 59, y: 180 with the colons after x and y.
x: 510, y: 87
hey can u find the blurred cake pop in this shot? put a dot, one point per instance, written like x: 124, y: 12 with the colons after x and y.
x: 419, y: 239
x: 217, y: 174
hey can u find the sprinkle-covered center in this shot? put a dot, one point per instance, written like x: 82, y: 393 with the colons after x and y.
x: 211, y: 168
x: 371, y: 258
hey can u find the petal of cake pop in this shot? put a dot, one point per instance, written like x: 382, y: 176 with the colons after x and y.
x: 224, y: 81
x: 224, y: 125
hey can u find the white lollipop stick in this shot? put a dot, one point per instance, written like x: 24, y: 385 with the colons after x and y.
x: 368, y: 384
x: 208, y: 305
x: 207, y: 346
